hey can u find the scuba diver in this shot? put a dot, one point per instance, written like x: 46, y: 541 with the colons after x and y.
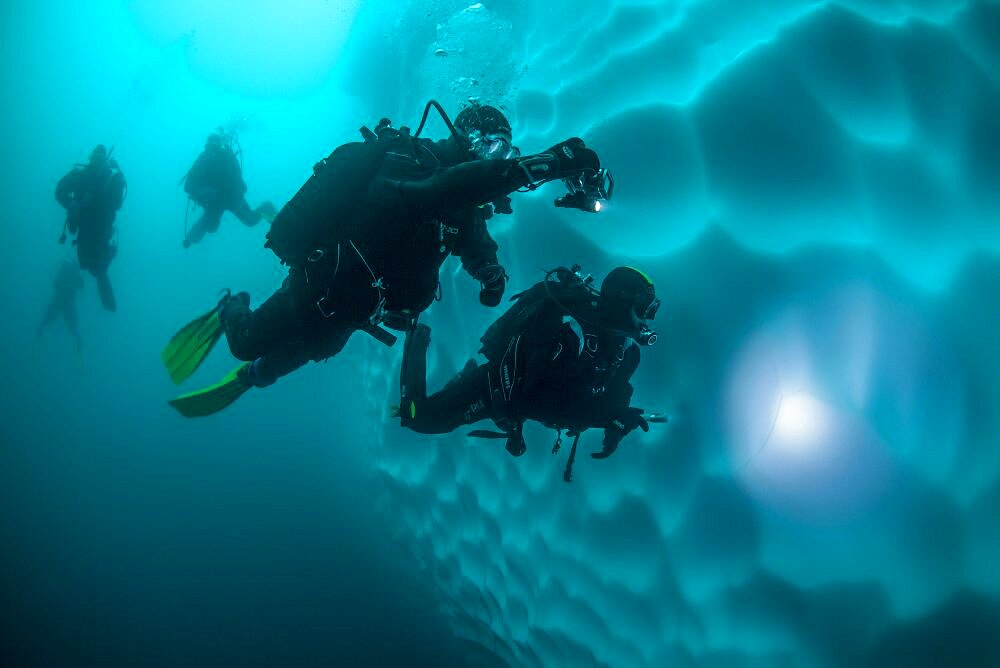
x: 562, y: 355
x: 92, y: 195
x: 364, y: 240
x: 215, y: 183
x: 65, y: 286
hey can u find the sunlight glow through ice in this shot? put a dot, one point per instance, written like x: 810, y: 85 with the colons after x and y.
x: 800, y: 422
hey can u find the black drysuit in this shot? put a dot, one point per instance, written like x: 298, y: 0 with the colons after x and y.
x: 554, y: 369
x: 92, y: 195
x: 421, y: 207
x: 215, y: 183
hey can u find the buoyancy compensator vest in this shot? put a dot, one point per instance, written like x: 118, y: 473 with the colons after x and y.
x: 566, y: 289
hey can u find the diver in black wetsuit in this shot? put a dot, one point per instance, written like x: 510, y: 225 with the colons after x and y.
x: 365, y: 238
x: 65, y: 286
x: 562, y: 355
x: 215, y: 183
x: 424, y: 204
x: 92, y: 195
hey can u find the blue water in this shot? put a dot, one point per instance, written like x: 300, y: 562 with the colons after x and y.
x: 813, y: 186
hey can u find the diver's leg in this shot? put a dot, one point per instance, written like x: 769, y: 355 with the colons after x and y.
x: 51, y: 313
x: 92, y: 260
x: 208, y: 222
x: 69, y: 317
x: 288, y: 357
x: 88, y: 253
x: 281, y: 361
x: 106, y: 253
x: 241, y: 209
x: 413, y: 370
x: 251, y: 217
x: 105, y: 291
x: 464, y: 400
x: 278, y: 321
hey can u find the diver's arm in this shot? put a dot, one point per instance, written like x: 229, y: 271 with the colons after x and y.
x: 195, y: 177
x: 618, y: 391
x: 116, y: 190
x: 474, y: 245
x: 630, y: 362
x: 478, y: 252
x: 65, y: 189
x: 467, y: 184
x: 477, y: 182
x: 236, y: 183
x: 616, y: 415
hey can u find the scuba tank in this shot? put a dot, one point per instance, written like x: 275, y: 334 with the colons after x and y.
x: 326, y: 210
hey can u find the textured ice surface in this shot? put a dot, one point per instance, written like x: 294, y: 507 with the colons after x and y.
x: 814, y: 188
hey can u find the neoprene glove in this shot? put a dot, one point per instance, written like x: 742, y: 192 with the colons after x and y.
x: 564, y: 159
x: 494, y: 281
x: 574, y: 157
x: 625, y: 421
x: 502, y: 205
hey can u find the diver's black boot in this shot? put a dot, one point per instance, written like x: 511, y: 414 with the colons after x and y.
x: 413, y: 374
x: 232, y: 304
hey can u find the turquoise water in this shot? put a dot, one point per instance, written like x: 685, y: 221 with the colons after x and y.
x: 812, y: 185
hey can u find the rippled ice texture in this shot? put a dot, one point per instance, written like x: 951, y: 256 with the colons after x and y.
x: 814, y: 188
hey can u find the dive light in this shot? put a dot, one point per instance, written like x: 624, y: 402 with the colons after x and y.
x: 646, y: 337
x: 587, y: 191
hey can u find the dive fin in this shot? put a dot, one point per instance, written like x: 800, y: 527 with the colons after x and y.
x: 486, y: 433
x: 267, y: 211
x: 214, y: 398
x: 191, y: 345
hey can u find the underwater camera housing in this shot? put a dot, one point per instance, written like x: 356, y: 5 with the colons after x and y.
x: 587, y: 191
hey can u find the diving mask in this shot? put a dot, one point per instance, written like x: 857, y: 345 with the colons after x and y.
x: 493, y: 146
